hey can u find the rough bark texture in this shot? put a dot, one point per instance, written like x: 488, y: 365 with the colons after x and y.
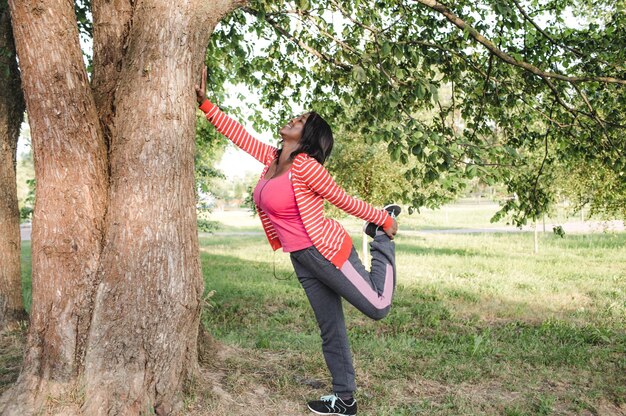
x: 147, y: 305
x: 116, y: 274
x: 70, y: 168
x: 111, y: 28
x: 11, y: 115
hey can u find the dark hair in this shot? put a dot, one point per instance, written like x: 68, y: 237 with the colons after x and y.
x: 317, y: 139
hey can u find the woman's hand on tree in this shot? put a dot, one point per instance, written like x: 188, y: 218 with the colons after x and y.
x: 391, y: 231
x: 200, y: 90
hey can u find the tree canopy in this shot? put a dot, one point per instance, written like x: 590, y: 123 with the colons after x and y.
x: 518, y: 93
x: 510, y: 92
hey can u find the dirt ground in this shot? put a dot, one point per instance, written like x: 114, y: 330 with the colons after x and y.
x: 239, y: 382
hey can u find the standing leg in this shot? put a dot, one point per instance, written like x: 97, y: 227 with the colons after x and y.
x: 328, y: 311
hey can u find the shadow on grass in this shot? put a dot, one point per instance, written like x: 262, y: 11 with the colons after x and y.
x: 11, y: 352
x: 421, y: 335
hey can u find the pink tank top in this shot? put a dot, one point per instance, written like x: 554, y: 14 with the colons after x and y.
x: 277, y: 199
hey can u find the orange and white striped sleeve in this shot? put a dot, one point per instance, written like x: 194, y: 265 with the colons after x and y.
x: 319, y: 181
x: 236, y: 133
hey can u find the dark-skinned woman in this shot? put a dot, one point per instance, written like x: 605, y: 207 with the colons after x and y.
x: 289, y: 198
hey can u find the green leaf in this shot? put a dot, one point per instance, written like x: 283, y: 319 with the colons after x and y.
x: 420, y: 91
x: 470, y: 171
x: 304, y: 5
x: 358, y: 73
x: 385, y: 50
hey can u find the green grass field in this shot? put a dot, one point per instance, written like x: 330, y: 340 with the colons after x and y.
x: 479, y: 326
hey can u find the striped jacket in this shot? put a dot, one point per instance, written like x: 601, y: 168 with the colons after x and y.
x: 311, y: 184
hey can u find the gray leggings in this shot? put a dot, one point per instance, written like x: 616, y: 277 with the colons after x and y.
x: 325, y: 285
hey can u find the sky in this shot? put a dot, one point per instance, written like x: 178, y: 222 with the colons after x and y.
x: 236, y: 163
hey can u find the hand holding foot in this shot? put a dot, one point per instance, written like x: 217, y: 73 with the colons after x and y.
x: 373, y: 230
x: 391, y: 231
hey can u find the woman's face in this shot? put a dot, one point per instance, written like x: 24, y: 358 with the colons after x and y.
x: 292, y: 131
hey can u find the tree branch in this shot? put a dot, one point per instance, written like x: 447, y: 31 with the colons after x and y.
x: 349, y: 48
x: 543, y: 163
x: 543, y: 32
x: 482, y: 98
x: 350, y: 18
x: 341, y: 43
x: 546, y: 116
x: 283, y: 32
x: 461, y: 24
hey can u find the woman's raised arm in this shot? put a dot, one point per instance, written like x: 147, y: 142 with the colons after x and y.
x: 230, y: 128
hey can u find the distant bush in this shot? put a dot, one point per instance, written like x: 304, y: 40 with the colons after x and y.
x: 207, y: 226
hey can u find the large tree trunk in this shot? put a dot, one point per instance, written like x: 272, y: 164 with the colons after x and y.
x: 146, y: 315
x: 11, y: 115
x: 116, y: 275
x: 71, y: 192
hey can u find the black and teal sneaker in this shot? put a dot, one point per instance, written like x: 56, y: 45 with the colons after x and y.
x: 333, y: 405
x: 372, y: 229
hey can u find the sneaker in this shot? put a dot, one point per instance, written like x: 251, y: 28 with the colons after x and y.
x: 372, y: 229
x: 333, y: 405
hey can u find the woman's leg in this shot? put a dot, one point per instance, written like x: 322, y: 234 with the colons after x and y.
x: 382, y: 274
x: 370, y: 292
x: 328, y: 311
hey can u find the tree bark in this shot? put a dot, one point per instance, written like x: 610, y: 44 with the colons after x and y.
x: 111, y: 29
x: 71, y: 192
x: 147, y: 306
x: 11, y: 116
x: 117, y: 286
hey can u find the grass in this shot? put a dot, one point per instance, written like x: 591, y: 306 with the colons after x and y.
x: 27, y: 293
x: 479, y: 326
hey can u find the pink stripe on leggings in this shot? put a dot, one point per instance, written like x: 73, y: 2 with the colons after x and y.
x: 379, y: 302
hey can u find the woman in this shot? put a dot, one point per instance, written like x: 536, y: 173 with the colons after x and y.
x: 290, y: 198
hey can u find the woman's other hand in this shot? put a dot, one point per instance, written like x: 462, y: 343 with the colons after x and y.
x: 201, y: 90
x: 391, y: 231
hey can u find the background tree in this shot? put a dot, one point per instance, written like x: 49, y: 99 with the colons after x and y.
x: 210, y: 146
x: 371, y: 170
x: 11, y: 115
x: 592, y: 185
x: 365, y: 170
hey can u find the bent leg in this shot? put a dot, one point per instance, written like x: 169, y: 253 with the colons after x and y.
x: 383, y: 252
x: 375, y: 288
x: 370, y: 292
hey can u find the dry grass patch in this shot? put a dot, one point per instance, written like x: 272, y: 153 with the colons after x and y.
x: 12, y: 344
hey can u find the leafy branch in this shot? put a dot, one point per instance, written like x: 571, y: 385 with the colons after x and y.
x: 285, y: 33
x: 461, y: 24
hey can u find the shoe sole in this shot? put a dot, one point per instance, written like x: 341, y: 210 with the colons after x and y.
x: 365, y: 228
x: 336, y: 414
x: 396, y: 211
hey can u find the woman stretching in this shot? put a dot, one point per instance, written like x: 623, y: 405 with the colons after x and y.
x: 289, y: 198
